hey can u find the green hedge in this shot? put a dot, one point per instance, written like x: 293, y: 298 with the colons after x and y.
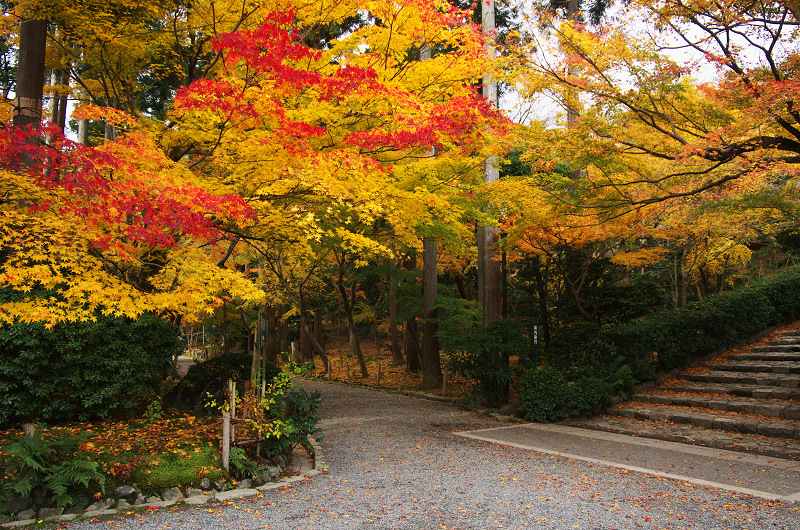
x: 674, y: 338
x: 82, y: 371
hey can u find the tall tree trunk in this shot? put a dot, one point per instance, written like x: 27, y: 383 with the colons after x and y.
x: 394, y: 335
x: 491, y: 274
x: 30, y: 72
x: 541, y: 292
x: 432, y: 376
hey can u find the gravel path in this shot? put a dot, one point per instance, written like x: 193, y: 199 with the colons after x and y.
x: 394, y: 463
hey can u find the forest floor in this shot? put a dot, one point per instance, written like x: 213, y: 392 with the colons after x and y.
x: 345, y: 369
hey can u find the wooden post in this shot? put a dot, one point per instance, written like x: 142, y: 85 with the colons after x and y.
x: 405, y: 387
x: 378, y: 375
x: 330, y: 369
x: 29, y: 429
x: 444, y: 383
x: 347, y: 368
x: 226, y: 440
x: 232, y: 386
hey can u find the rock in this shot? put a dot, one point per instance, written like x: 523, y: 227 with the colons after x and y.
x: 274, y: 472
x: 99, y: 505
x: 17, y: 504
x: 5, y: 519
x: 244, y: 484
x: 124, y: 491
x: 219, y: 485
x: 205, y: 484
x: 152, y: 499
x: 40, y: 498
x: 258, y: 481
x: 197, y: 499
x: 193, y: 492
x: 24, y: 515
x: 44, y: 513
x: 122, y: 504
x: 172, y: 494
x: 139, y: 500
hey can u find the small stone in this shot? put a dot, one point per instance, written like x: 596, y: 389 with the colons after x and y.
x: 205, y: 484
x: 244, y: 484
x: 152, y: 499
x: 24, y: 515
x: 193, y: 492
x: 219, y: 485
x: 99, y: 505
x: 44, y: 513
x: 274, y: 472
x: 122, y: 504
x: 124, y: 491
x: 5, y: 519
x: 139, y: 500
x: 172, y: 494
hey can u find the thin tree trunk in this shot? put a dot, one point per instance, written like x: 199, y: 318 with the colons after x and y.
x: 431, y: 361
x: 348, y: 311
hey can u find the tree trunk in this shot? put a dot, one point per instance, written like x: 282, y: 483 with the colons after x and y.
x: 394, y: 334
x: 431, y: 362
x: 411, y: 342
x: 271, y: 353
x: 305, y: 334
x: 30, y: 72
x: 318, y: 331
x: 348, y: 311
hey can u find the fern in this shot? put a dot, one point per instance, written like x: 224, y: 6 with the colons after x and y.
x: 54, y: 465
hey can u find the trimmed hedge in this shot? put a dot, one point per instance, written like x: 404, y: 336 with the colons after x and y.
x: 82, y: 371
x: 674, y: 338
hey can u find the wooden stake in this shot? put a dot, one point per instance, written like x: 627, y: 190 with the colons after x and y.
x: 378, y: 376
x: 444, y: 383
x: 347, y: 367
x: 226, y: 440
x: 405, y: 387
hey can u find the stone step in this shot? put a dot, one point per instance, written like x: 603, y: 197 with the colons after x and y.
x: 775, y: 367
x: 723, y: 421
x: 776, y: 348
x: 737, y: 389
x: 790, y: 333
x: 747, y: 378
x: 771, y: 408
x: 686, y: 433
x: 766, y: 356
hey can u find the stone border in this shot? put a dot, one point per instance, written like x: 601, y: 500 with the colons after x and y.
x: 305, y: 464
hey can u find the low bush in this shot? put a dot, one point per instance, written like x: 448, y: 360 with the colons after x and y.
x: 547, y: 394
x: 79, y: 371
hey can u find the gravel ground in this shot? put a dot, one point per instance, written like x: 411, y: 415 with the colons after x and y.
x: 394, y: 463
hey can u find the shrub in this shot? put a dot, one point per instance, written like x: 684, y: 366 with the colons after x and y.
x: 541, y: 394
x: 477, y: 352
x: 82, y: 371
x: 210, y: 378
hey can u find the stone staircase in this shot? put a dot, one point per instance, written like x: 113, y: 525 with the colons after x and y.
x: 747, y: 400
